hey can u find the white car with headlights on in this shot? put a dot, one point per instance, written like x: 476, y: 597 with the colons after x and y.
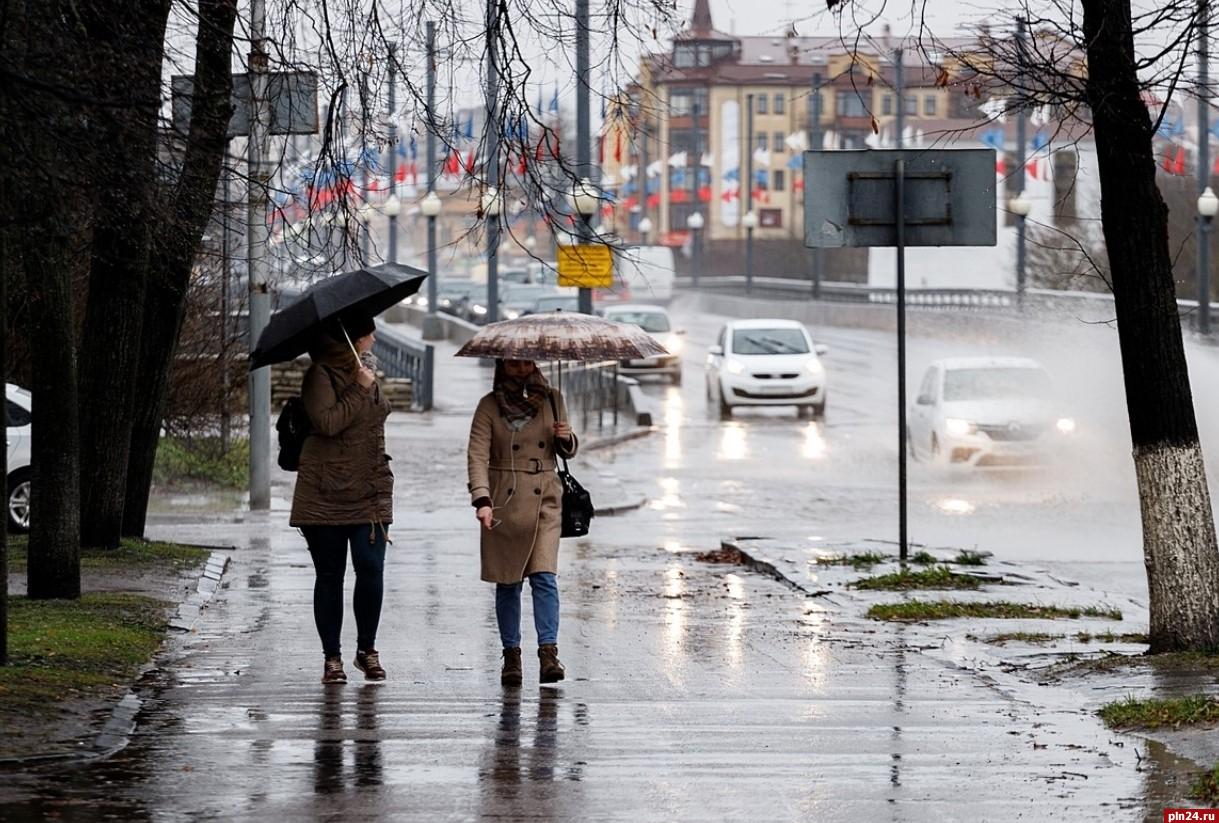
x: 654, y: 320
x: 19, y: 413
x: 987, y: 411
x: 766, y: 363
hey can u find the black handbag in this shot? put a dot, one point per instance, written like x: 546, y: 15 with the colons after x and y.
x: 578, y: 506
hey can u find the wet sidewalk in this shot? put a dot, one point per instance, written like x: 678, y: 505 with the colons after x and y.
x: 697, y: 691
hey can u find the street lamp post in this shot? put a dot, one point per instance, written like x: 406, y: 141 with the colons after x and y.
x: 392, y: 208
x: 1019, y: 206
x: 584, y: 200
x: 645, y: 228
x: 491, y: 203
x: 1208, y: 205
x: 364, y: 214
x: 430, y: 207
x: 750, y: 221
x: 694, y: 222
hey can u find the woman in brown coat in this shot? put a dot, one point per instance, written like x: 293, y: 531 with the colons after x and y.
x: 516, y: 494
x: 344, y: 489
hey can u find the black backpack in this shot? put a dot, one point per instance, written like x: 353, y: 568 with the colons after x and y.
x: 293, y: 427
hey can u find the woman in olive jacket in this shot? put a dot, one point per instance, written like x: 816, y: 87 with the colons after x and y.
x: 517, y: 496
x: 345, y: 489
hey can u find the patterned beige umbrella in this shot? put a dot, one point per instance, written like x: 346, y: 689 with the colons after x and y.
x: 561, y: 335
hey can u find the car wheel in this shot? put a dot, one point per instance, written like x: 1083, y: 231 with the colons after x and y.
x: 676, y: 378
x: 19, y: 501
x: 910, y: 450
x: 725, y: 409
x: 935, y: 449
x: 818, y: 409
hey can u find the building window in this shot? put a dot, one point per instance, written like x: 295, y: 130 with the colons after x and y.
x: 850, y: 104
x: 911, y: 104
x: 680, y: 102
x: 778, y: 144
x: 780, y: 180
x: 929, y: 106
x: 886, y: 104
x: 683, y: 57
x: 763, y: 141
x: 761, y: 100
x: 780, y: 104
x: 770, y: 218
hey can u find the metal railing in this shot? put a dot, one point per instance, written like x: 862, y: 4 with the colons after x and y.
x: 594, y: 391
x: 402, y: 357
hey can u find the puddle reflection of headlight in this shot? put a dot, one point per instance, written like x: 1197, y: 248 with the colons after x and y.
x: 1066, y: 425
x: 814, y: 444
x: 955, y: 505
x: 732, y: 443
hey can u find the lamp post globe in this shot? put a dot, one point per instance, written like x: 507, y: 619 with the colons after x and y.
x: 584, y: 198
x: 750, y: 221
x: 645, y: 228
x: 694, y: 222
x: 1208, y: 206
x: 392, y: 207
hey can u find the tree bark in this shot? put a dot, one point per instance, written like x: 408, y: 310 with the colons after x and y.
x: 1179, y: 547
x: 175, y: 245
x: 127, y: 41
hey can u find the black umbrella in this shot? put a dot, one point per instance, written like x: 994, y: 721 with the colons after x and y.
x: 372, y: 288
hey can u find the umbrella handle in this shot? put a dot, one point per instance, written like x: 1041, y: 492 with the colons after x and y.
x: 347, y: 337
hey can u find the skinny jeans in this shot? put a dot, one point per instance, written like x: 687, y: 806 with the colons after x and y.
x: 328, y: 546
x: 544, y: 586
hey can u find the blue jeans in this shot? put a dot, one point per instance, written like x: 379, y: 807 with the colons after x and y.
x: 545, y: 589
x: 328, y: 546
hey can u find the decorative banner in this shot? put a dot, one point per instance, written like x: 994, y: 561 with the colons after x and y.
x: 730, y: 163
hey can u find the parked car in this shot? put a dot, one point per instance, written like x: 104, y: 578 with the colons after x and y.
x: 555, y: 302
x: 656, y: 321
x: 450, y: 294
x: 517, y: 299
x: 987, y: 411
x: 766, y: 362
x: 18, y: 408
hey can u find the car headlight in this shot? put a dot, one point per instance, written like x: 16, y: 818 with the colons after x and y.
x: 673, y: 344
x: 421, y: 302
x: 735, y: 367
x: 480, y: 309
x: 957, y: 426
x: 511, y: 314
x: 1066, y: 425
x: 814, y: 366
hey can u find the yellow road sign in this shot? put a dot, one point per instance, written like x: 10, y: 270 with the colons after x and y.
x: 586, y: 266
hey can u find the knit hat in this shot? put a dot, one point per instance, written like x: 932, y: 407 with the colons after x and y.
x: 357, y: 322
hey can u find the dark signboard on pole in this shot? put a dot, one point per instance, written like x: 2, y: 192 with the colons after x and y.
x: 292, y: 96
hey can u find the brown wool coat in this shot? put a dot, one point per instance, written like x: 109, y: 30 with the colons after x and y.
x: 526, y: 501
x: 344, y: 476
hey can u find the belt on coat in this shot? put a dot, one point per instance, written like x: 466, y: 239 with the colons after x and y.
x: 531, y: 465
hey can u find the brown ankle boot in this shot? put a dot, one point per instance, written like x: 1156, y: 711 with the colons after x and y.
x: 552, y: 670
x: 512, y: 673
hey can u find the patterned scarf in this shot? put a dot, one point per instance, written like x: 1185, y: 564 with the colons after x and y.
x: 519, y: 398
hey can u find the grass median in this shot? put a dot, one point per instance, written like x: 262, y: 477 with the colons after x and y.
x: 71, y: 659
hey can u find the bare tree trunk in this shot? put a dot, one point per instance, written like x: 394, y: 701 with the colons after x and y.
x: 175, y: 246
x: 127, y: 40
x: 1179, y: 548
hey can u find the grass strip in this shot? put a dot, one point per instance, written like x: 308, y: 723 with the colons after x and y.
x: 1206, y: 787
x: 915, y: 610
x: 1155, y: 713
x: 862, y: 560
x: 937, y: 577
x: 132, y: 555
x: 61, y: 649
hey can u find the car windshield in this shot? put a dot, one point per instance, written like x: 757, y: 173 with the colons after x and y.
x: 524, y: 294
x: 650, y: 321
x: 987, y: 383
x: 454, y: 288
x: 769, y: 341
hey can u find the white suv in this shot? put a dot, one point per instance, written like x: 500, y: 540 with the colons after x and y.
x: 18, y: 408
x: 654, y: 320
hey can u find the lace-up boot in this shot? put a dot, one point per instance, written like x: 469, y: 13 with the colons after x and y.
x: 552, y: 670
x: 512, y: 672
x: 333, y: 673
x: 369, y: 662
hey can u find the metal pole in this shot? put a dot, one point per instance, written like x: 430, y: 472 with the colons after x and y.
x: 226, y: 322
x: 814, y: 143
x: 492, y: 161
x: 256, y: 258
x: 694, y: 250
x: 431, y: 329
x: 749, y: 192
x: 900, y: 206
x: 583, y: 131
x: 1016, y: 182
x: 899, y: 85
x: 1204, y: 170
x: 393, y: 151
x: 643, y: 175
